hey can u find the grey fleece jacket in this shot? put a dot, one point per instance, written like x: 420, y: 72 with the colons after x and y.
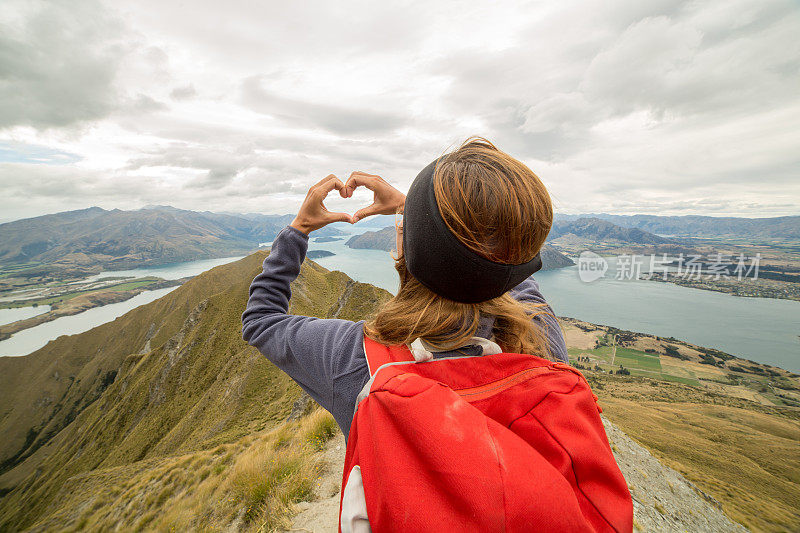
x: 326, y: 356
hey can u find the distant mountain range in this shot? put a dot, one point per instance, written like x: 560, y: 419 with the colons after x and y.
x: 596, y: 229
x: 91, y: 239
x: 385, y: 240
x: 117, y: 239
x: 702, y: 226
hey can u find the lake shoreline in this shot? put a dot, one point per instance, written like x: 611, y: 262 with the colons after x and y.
x: 744, y: 288
x: 597, y: 348
x: 760, y: 329
x: 81, y: 303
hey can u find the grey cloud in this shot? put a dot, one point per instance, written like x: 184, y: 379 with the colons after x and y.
x: 676, y: 62
x: 664, y: 105
x: 219, y: 166
x: 141, y: 104
x: 332, y: 118
x: 184, y: 92
x: 265, y: 32
x: 293, y: 155
x: 664, y: 65
x: 33, y: 190
x: 57, y: 63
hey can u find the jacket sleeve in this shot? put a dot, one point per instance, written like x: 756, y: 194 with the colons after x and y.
x: 314, y: 352
x: 528, y: 291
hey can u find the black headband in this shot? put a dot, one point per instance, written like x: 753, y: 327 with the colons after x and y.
x: 444, y: 264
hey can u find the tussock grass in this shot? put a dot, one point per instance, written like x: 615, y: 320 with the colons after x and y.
x: 250, y: 485
x: 318, y: 428
x: 266, y: 483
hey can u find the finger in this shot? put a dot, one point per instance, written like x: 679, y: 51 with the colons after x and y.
x: 323, y: 180
x: 337, y: 217
x: 324, y: 187
x: 360, y: 178
x: 365, y: 212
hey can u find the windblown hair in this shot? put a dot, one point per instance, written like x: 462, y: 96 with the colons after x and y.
x: 497, y: 207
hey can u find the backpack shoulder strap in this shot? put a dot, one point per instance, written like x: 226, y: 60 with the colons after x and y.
x: 379, y: 354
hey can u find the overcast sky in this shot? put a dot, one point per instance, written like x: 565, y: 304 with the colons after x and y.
x: 621, y: 107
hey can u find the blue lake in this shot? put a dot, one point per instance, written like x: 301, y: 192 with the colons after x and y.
x: 761, y: 329
x: 31, y: 339
x: 7, y: 316
x: 170, y: 270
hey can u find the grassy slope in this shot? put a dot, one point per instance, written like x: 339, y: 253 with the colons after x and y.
x: 199, y: 386
x: 743, y: 454
x: 247, y: 485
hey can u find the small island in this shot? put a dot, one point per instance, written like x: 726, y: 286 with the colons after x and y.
x: 328, y: 239
x: 317, y: 254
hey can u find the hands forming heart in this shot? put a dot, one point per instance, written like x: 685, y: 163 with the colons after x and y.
x: 314, y: 215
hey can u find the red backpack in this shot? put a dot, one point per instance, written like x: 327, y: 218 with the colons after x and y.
x: 503, y: 442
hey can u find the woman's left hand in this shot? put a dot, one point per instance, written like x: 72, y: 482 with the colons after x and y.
x: 313, y: 214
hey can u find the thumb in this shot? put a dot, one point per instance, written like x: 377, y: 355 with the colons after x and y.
x: 364, y: 212
x: 337, y: 217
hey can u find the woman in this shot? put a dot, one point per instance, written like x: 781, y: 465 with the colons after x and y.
x: 495, y: 206
x: 482, y: 437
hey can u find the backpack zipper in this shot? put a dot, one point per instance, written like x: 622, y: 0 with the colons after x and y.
x: 490, y: 389
x: 481, y: 392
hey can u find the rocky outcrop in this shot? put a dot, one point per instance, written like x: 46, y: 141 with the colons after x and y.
x: 663, y: 500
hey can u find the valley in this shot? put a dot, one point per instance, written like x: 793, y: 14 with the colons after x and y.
x: 76, y: 244
x: 778, y: 256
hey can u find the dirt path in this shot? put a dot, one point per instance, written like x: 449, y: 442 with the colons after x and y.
x: 614, y: 349
x: 322, y: 515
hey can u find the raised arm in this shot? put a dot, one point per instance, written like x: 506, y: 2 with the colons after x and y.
x: 314, y: 352
x: 324, y: 356
x: 528, y: 291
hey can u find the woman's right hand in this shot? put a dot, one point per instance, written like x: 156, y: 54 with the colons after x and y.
x: 386, y: 199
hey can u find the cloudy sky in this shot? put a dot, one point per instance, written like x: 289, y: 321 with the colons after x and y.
x: 623, y: 107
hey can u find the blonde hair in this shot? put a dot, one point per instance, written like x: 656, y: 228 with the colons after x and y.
x: 497, y: 207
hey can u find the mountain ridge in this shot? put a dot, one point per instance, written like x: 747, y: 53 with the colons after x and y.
x: 703, y: 226
x: 603, y: 230
x: 94, y: 238
x: 103, y: 402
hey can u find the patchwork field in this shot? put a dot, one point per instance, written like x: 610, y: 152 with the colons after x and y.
x: 605, y: 349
